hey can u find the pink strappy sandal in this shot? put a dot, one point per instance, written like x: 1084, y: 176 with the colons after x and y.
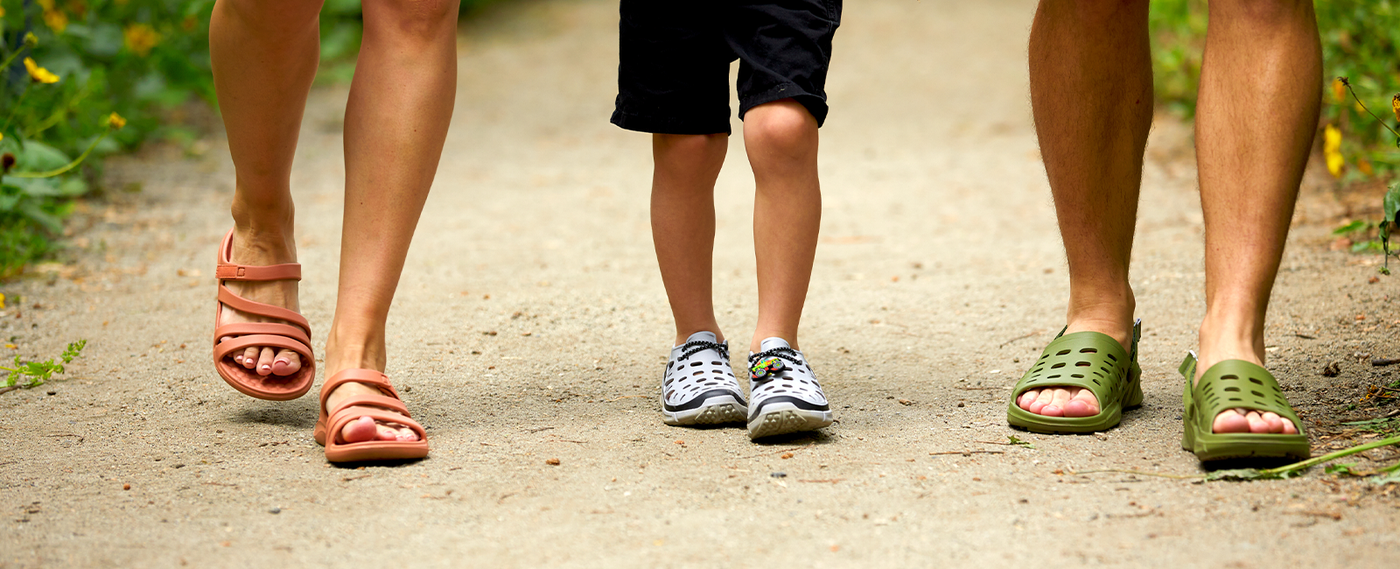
x: 378, y: 407
x: 293, y: 334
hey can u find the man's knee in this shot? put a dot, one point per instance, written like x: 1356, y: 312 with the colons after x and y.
x: 1260, y: 12
x: 1099, y: 12
x: 785, y: 126
x: 412, y: 19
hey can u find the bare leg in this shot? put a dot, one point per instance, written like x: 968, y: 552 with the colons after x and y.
x: 683, y: 225
x: 264, y: 56
x: 1258, y: 108
x: 1091, y: 94
x: 395, y: 124
x: 781, y: 138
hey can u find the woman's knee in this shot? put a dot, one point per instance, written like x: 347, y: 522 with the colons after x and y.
x: 412, y: 19
x: 276, y: 18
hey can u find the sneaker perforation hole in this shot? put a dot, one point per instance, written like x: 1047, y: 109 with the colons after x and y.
x: 1089, y: 351
x: 1082, y: 364
x: 1062, y: 352
x: 1058, y: 365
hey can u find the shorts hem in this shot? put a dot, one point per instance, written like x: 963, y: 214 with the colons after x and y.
x: 668, y: 125
x: 815, y: 104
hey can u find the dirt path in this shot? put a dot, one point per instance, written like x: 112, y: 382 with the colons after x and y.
x: 532, y: 325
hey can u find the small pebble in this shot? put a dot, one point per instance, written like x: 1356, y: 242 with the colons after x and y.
x: 275, y: 511
x: 552, y: 462
x: 779, y: 475
x: 126, y: 486
x: 53, y: 393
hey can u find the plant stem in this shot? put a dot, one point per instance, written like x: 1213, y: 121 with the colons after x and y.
x: 1368, y: 111
x: 1329, y: 457
x: 69, y: 166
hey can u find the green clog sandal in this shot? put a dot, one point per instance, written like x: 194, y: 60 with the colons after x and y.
x: 1235, y: 384
x: 1088, y: 360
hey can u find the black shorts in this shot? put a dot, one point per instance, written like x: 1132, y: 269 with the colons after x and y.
x: 673, y: 73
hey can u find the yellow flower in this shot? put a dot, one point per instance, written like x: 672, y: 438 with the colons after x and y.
x: 115, y: 121
x: 1332, y: 150
x: 1339, y: 90
x: 1395, y: 105
x: 140, y: 38
x: 39, y: 73
x: 56, y: 20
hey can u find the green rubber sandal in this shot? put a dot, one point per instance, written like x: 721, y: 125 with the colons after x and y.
x: 1088, y: 360
x: 1236, y: 384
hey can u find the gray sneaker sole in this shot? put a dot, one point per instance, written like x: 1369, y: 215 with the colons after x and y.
x: 783, y: 419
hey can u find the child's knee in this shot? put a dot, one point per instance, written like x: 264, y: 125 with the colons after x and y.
x: 780, y: 125
x: 413, y: 19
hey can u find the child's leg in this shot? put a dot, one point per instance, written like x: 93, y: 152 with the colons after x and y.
x: 781, y: 138
x: 395, y: 125
x: 683, y: 225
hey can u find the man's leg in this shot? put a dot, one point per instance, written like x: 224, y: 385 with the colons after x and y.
x: 781, y: 139
x: 395, y: 125
x: 683, y: 225
x: 1091, y: 95
x: 1257, y: 111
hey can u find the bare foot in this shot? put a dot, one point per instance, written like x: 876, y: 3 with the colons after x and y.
x: 1074, y: 401
x: 261, y: 251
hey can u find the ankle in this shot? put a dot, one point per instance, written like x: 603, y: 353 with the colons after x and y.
x: 354, y: 351
x: 1223, y: 337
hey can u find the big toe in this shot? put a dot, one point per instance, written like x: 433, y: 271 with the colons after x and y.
x: 1077, y: 408
x: 1230, y: 421
x: 360, y: 430
x: 287, y: 362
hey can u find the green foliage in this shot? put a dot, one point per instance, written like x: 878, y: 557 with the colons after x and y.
x: 67, y: 67
x: 36, y: 373
x: 1359, y: 40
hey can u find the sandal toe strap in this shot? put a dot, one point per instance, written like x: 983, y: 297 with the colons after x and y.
x: 1237, y: 384
x: 344, y: 415
x: 1087, y: 360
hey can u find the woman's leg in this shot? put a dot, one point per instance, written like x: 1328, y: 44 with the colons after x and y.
x: 395, y: 124
x: 264, y: 55
x: 1257, y: 111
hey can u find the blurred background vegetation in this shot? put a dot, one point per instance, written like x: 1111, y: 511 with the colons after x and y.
x: 1360, y: 40
x: 148, y: 61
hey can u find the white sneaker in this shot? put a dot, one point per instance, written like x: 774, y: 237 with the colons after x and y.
x: 785, y: 395
x: 699, y: 387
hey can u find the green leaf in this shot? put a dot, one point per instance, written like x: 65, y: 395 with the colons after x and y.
x: 38, y: 215
x: 1392, y: 203
x: 1356, y: 225
x: 39, y: 157
x: 35, y: 187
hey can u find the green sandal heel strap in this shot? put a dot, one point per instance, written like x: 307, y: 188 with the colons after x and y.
x: 1236, y: 384
x: 1087, y: 360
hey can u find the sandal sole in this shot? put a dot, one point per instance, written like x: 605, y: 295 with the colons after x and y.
x: 782, y: 421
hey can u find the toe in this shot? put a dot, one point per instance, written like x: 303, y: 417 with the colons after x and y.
x: 1257, y: 424
x: 360, y: 430
x: 265, y: 358
x: 1230, y: 421
x: 1043, y: 398
x: 250, y: 358
x: 1288, y: 427
x: 1274, y: 422
x: 1028, y: 398
x: 1082, y: 404
x: 287, y: 362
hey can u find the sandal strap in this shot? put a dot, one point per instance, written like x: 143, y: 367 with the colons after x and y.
x: 228, y: 270
x: 1088, y: 360
x: 232, y: 300
x: 275, y: 340
x: 378, y: 401
x: 295, y: 333
x: 1235, y: 384
x: 369, y: 377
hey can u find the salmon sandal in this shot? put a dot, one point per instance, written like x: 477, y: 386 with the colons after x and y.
x: 1087, y: 360
x: 294, y: 333
x: 387, y: 408
x: 1235, y: 384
